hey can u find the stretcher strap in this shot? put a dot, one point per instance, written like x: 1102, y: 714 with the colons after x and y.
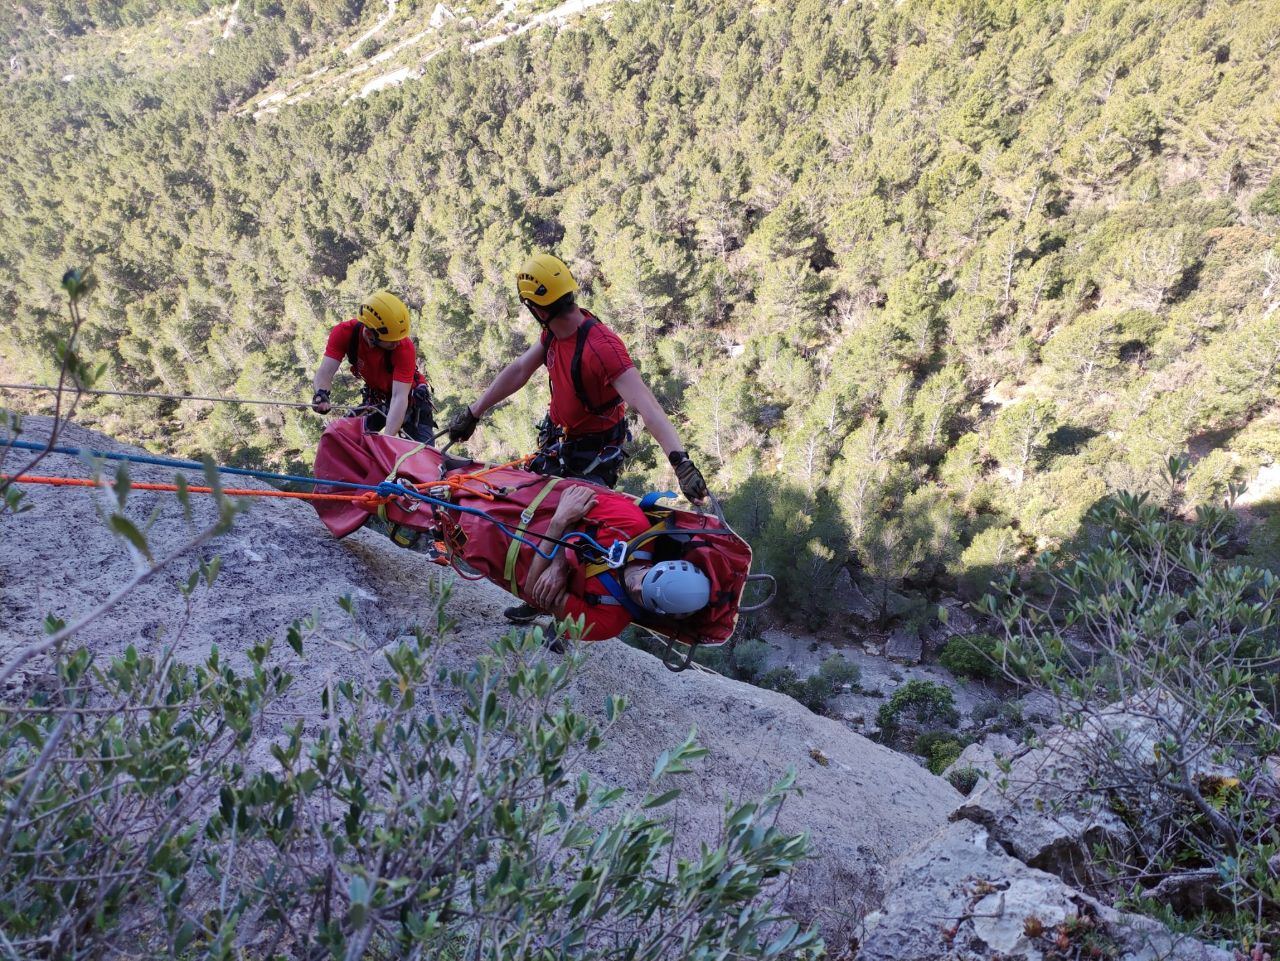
x: 513, y: 551
x: 620, y: 596
x: 391, y: 479
x: 395, y: 469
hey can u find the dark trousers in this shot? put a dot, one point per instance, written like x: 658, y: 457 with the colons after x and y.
x: 597, y: 457
x: 419, y: 419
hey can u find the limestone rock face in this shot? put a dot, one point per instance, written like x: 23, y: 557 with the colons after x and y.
x: 1042, y: 810
x: 984, y: 756
x: 959, y: 897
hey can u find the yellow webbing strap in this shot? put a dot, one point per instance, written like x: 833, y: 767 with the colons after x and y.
x: 513, y: 552
x: 599, y: 567
x: 395, y: 469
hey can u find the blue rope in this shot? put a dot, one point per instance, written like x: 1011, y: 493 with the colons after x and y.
x: 385, y: 489
x: 187, y: 464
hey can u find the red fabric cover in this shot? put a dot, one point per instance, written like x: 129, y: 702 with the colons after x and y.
x: 618, y: 518
x: 604, y: 357
x: 347, y: 453
x: 371, y: 362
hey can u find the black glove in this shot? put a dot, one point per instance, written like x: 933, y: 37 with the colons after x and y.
x: 463, y: 425
x: 320, y: 402
x: 692, y: 484
x: 422, y: 407
x: 422, y: 396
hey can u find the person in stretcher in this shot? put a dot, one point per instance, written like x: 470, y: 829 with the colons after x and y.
x: 603, y: 602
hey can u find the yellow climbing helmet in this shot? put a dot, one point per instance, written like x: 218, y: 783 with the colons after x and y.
x: 386, y: 315
x: 544, y: 279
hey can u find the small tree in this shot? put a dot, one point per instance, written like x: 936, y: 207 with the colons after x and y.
x: 1166, y: 660
x: 429, y: 813
x: 1020, y: 434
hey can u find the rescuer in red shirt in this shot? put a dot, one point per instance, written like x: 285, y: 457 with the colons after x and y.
x: 381, y: 353
x: 593, y: 380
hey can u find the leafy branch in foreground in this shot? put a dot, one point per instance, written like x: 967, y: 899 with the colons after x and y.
x: 74, y: 375
x: 159, y: 809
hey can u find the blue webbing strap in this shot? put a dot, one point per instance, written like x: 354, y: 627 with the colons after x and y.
x: 652, y: 498
x: 620, y: 595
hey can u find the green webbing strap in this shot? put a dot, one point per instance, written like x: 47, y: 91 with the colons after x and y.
x: 401, y: 459
x: 513, y: 552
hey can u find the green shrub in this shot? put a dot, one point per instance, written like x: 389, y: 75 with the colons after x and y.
x: 784, y: 680
x: 814, y: 692
x: 1268, y: 201
x: 984, y: 711
x: 162, y: 828
x: 839, y: 672
x: 926, y: 703
x: 938, y: 749
x: 749, y: 659
x: 972, y: 655
x: 964, y: 779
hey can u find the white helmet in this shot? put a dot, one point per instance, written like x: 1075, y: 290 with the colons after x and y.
x: 675, y: 588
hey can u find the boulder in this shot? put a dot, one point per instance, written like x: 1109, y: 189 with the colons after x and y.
x: 935, y: 633
x: 960, y: 897
x: 904, y: 646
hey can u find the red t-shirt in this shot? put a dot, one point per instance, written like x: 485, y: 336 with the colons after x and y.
x: 604, y: 357
x: 371, y: 362
x: 619, y: 518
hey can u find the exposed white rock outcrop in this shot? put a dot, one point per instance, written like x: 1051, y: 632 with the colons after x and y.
x: 1044, y: 812
x: 960, y: 897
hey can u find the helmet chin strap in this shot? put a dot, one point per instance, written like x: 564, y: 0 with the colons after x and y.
x: 544, y: 324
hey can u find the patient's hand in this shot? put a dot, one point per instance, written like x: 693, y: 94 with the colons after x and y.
x: 548, y: 591
x: 575, y: 504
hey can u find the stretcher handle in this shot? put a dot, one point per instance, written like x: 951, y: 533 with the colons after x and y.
x: 716, y: 509
x: 773, y: 592
x: 672, y: 660
x: 437, y: 435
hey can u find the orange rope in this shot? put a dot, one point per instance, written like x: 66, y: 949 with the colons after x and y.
x: 364, y: 496
x: 463, y: 482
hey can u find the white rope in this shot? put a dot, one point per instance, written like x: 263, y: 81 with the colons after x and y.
x: 136, y: 393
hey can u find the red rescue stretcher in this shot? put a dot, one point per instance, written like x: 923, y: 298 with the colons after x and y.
x: 485, y: 521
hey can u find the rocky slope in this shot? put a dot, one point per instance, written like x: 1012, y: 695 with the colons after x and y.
x: 933, y: 875
x: 863, y: 804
